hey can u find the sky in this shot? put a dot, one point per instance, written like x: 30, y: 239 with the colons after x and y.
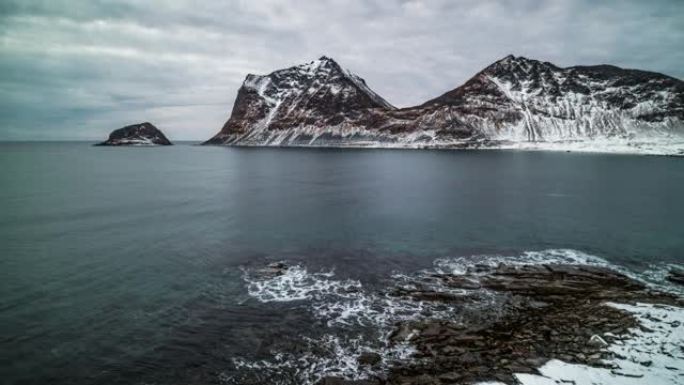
x: 76, y: 70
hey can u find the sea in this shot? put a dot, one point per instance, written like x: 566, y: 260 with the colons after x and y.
x: 142, y: 265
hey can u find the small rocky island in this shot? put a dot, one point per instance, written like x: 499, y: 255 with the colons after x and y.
x: 141, y: 134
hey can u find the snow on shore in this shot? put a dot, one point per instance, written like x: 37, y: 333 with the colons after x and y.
x: 654, y: 355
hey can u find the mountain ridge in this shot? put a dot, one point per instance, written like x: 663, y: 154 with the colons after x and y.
x: 514, y: 100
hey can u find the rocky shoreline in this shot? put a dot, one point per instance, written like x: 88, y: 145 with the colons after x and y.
x: 542, y: 312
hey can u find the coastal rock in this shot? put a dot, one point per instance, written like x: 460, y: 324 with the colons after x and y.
x: 676, y: 276
x: 560, y: 280
x: 514, y: 100
x: 496, y: 322
x: 141, y: 134
x: 552, y: 311
x: 369, y: 359
x: 274, y: 269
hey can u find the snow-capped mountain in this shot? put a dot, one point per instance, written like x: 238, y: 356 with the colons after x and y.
x: 513, y: 103
x: 281, y: 107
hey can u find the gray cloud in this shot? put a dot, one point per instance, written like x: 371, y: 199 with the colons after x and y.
x: 78, y: 69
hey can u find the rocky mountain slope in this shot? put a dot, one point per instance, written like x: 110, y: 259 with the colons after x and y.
x: 297, y: 104
x: 515, y: 102
x: 136, y: 135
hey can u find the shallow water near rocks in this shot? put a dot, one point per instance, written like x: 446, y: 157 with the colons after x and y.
x: 136, y: 265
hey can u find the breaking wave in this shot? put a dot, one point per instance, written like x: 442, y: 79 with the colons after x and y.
x: 462, y: 265
x: 653, y: 276
x: 296, y: 284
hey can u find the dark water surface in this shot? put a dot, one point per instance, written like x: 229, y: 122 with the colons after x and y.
x: 125, y: 265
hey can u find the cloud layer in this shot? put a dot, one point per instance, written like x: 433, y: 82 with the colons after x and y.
x: 78, y: 69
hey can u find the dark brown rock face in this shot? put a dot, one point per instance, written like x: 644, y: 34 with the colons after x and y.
x: 136, y: 135
x: 513, y: 100
x: 369, y: 359
x: 317, y: 94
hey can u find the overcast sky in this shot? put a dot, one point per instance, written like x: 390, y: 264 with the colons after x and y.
x: 79, y: 69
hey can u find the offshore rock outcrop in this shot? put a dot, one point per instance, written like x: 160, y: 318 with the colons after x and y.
x: 142, y: 134
x: 513, y: 102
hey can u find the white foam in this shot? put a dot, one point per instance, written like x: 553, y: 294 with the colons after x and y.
x: 656, y: 276
x: 296, y: 284
x: 327, y: 356
x: 343, y: 305
x: 338, y: 302
x: 333, y: 358
x: 461, y: 265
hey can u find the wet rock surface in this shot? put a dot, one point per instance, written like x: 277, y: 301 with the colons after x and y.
x: 273, y: 269
x: 676, y: 276
x: 548, y: 312
x: 369, y: 359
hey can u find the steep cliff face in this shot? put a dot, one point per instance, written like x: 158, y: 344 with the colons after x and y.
x: 136, y: 135
x: 284, y: 106
x: 515, y: 102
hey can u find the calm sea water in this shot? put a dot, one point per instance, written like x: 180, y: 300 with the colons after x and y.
x: 126, y: 265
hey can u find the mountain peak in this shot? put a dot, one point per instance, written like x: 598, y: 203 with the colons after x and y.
x: 323, y: 66
x: 326, y: 58
x: 512, y: 60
